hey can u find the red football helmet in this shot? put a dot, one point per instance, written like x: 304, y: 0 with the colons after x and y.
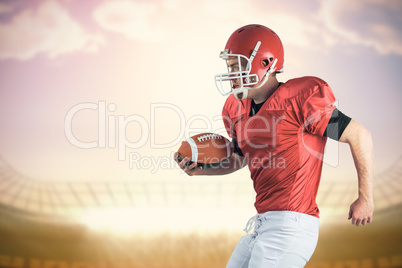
x: 255, y: 51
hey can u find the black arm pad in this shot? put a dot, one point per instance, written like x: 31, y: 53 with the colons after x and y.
x: 336, y: 125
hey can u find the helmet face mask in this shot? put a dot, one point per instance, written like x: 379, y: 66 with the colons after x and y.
x: 238, y: 76
x: 257, y: 52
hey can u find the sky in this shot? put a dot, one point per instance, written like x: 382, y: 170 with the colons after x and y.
x: 107, y: 90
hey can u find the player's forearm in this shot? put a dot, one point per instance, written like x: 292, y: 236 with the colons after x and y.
x: 361, y: 145
x: 363, y: 157
x: 233, y: 164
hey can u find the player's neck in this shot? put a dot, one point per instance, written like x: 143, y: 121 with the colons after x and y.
x: 267, y: 90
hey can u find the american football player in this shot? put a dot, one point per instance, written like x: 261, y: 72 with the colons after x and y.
x: 279, y: 130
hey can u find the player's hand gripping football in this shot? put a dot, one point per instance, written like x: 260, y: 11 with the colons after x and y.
x: 361, y: 211
x: 190, y: 170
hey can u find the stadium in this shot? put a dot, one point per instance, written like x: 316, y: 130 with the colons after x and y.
x: 40, y: 226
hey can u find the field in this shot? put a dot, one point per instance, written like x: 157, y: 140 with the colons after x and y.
x: 35, y: 233
x: 28, y: 241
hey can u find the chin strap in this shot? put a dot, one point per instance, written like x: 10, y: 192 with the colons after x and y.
x: 243, y: 92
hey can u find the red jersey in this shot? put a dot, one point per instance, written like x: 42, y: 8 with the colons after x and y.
x: 283, y: 143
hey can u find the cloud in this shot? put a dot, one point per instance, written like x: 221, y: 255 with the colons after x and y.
x: 372, y: 23
x: 132, y: 19
x: 319, y: 24
x: 293, y: 28
x: 5, y: 8
x: 49, y: 30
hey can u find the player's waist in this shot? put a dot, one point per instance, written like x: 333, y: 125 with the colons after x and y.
x: 285, y: 215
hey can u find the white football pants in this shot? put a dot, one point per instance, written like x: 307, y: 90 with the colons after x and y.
x: 281, y: 239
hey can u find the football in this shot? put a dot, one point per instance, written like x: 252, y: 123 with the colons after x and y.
x: 207, y: 149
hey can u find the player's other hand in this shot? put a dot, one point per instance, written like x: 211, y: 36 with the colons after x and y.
x: 190, y: 170
x: 361, y: 211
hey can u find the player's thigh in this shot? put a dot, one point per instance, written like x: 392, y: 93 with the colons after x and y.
x: 241, y: 254
x: 286, y: 245
x: 301, y: 250
x: 271, y: 245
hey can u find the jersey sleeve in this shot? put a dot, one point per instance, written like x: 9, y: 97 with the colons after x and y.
x: 317, y: 109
